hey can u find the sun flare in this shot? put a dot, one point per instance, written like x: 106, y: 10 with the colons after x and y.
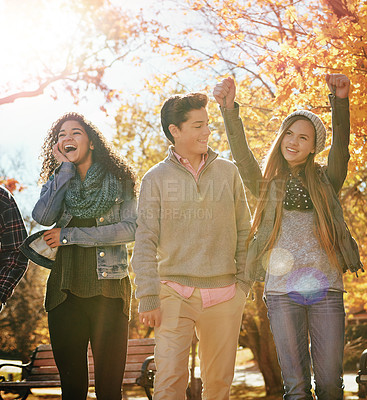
x: 35, y: 35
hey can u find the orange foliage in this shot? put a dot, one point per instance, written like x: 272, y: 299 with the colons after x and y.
x: 11, y: 184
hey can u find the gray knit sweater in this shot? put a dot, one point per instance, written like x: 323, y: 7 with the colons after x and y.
x: 297, y: 262
x: 190, y: 232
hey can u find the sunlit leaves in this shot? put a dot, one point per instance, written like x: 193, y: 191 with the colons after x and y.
x: 139, y: 135
x: 68, y: 41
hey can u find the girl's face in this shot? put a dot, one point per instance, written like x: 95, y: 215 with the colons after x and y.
x: 74, y: 143
x: 298, y: 142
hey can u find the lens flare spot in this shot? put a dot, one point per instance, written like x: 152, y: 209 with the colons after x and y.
x: 307, y: 280
x: 278, y: 261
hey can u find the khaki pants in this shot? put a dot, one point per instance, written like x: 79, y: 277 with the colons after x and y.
x: 217, y: 328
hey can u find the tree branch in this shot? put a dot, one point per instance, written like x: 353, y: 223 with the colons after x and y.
x: 31, y: 93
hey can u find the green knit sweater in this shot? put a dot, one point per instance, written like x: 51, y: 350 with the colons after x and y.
x: 74, y: 271
x: 190, y: 232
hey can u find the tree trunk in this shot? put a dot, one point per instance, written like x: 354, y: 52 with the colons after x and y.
x: 257, y: 336
x: 194, y: 390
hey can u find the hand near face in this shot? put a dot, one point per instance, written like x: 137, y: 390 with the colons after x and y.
x: 341, y: 84
x: 151, y: 318
x: 225, y: 91
x: 58, y: 155
x: 52, y: 237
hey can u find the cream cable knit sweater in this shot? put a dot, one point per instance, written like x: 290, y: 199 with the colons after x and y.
x: 190, y: 232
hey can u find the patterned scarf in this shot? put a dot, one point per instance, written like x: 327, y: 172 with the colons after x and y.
x: 296, y: 196
x: 94, y: 196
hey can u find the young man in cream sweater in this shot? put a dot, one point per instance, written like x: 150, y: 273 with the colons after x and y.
x: 190, y: 252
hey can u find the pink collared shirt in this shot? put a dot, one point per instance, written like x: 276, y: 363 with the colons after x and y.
x: 186, y: 163
x: 210, y: 297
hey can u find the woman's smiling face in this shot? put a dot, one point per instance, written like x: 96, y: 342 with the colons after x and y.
x: 74, y: 143
x: 298, y: 142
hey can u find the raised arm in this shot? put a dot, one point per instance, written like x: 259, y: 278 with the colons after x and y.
x: 225, y: 93
x: 48, y: 207
x: 243, y: 218
x: 338, y: 158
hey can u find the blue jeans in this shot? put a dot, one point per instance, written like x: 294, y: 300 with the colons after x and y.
x: 294, y: 319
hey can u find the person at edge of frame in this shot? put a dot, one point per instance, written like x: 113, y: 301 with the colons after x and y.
x: 13, y: 264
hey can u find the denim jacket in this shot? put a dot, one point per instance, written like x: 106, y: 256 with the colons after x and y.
x: 114, y: 229
x: 332, y: 176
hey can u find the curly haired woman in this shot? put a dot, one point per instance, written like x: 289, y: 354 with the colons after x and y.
x: 89, y: 192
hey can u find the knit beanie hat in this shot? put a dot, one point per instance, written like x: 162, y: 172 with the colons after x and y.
x: 317, y: 123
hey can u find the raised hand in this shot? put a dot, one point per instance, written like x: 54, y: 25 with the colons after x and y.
x: 340, y: 83
x: 225, y: 92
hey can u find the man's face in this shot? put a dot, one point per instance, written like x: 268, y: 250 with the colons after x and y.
x: 192, y: 137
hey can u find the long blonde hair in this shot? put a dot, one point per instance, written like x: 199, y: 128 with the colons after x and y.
x: 276, y: 172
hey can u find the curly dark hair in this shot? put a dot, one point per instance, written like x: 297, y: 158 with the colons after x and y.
x: 102, y: 153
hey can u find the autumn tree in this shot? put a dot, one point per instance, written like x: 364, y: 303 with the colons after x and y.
x: 64, y: 45
x: 138, y: 133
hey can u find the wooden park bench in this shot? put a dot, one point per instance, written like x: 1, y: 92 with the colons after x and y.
x: 41, y: 371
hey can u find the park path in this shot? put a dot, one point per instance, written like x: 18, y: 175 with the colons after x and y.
x: 248, y: 375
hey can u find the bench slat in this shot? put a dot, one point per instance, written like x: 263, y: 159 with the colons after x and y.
x: 137, y: 367
x: 43, y: 355
x: 43, y: 362
x: 137, y: 358
x: 30, y: 384
x: 141, y: 342
x: 133, y: 374
x: 140, y: 350
x: 44, y: 371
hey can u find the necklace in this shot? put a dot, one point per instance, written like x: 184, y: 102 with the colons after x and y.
x: 296, y: 195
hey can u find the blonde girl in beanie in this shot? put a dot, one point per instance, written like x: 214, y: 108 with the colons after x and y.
x: 299, y: 243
